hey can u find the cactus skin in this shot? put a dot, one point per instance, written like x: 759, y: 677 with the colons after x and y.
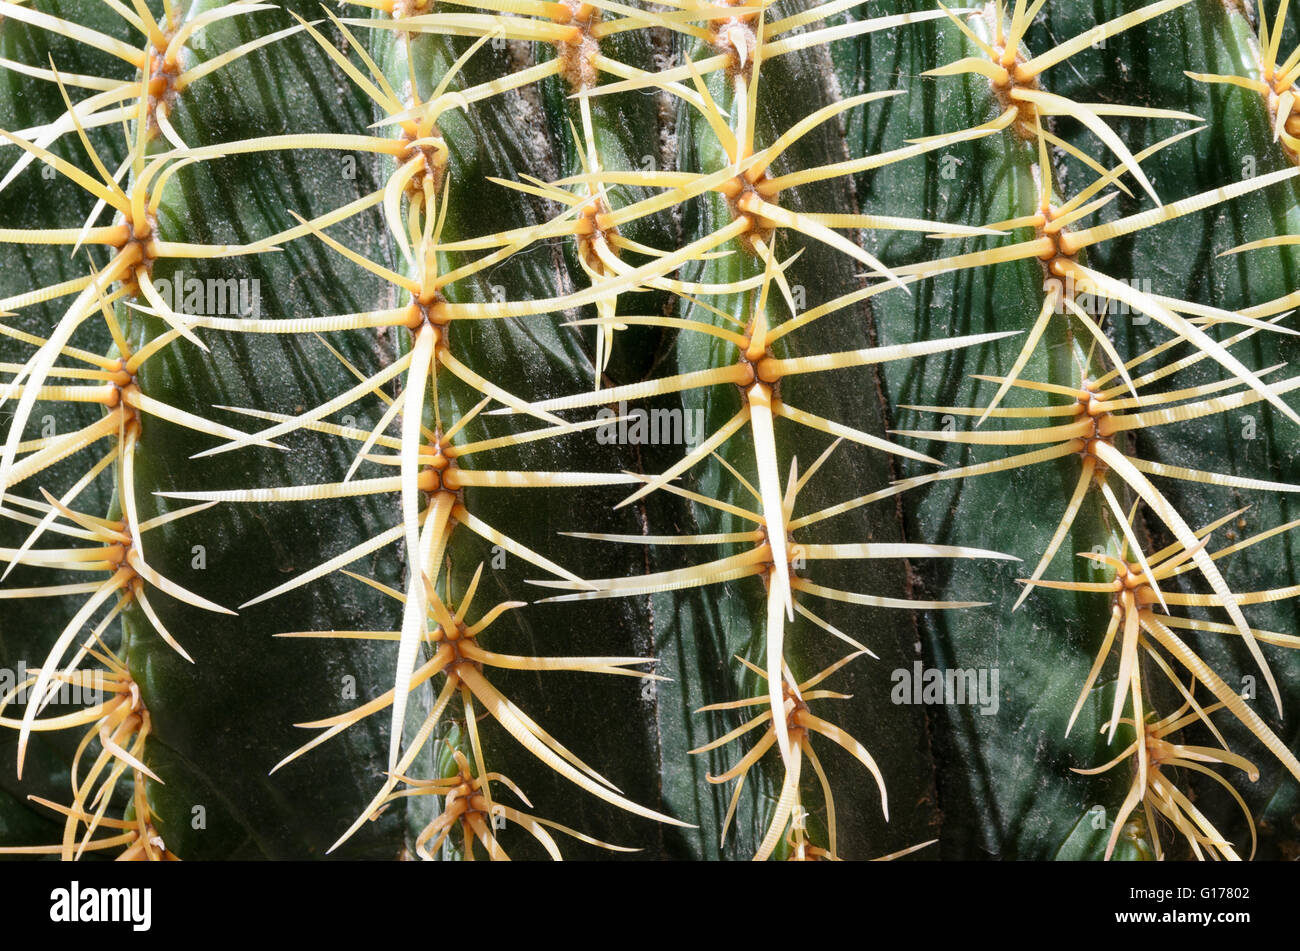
x: 1006, y: 785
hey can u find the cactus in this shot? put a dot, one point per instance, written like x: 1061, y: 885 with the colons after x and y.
x: 594, y: 429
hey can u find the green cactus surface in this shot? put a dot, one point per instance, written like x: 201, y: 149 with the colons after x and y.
x: 602, y: 429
